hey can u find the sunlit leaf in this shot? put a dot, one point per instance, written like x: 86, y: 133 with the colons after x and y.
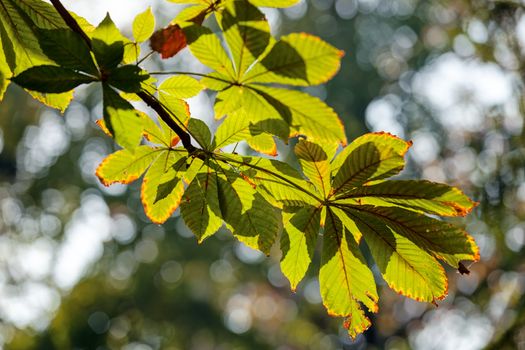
x: 163, y: 188
x: 407, y: 268
x: 421, y: 196
x: 121, y: 119
x: 274, y: 3
x: 298, y: 242
x: 315, y: 165
x: 297, y: 59
x: 344, y: 277
x: 246, y: 31
x: 58, y: 101
x: 200, y: 132
x: 143, y: 25
x: 252, y: 220
x: 207, y: 48
x: 440, y: 239
x: 306, y: 115
x: 180, y: 86
x: 108, y: 44
x: 200, y: 207
x: 368, y: 158
x: 125, y: 166
x: 263, y: 143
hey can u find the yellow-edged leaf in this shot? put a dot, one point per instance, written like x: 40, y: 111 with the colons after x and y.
x: 124, y: 166
x: 315, y: 165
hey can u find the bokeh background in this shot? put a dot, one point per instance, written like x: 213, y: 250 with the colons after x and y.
x: 81, y: 267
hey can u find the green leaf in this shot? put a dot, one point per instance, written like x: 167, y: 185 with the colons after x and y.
x: 216, y: 81
x: 128, y: 78
x: 67, y: 49
x: 227, y: 101
x: 125, y: 166
x: 163, y: 188
x: 371, y: 157
x: 306, y: 115
x: 344, y: 277
x: 407, y: 268
x: 421, y: 196
x: 160, y: 135
x: 201, y: 209
x: 207, y: 48
x: 279, y: 179
x: 195, y: 14
x: 297, y: 59
x: 143, y: 25
x: 51, y: 79
x: 252, y: 220
x: 263, y: 143
x: 58, y: 101
x: 298, y: 242
x: 108, y: 44
x: 440, y: 239
x: 246, y: 31
x: 121, y: 119
x: 200, y: 132
x: 18, y: 18
x: 315, y: 165
x: 180, y: 86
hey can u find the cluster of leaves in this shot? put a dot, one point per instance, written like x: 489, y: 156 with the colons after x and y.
x: 344, y: 195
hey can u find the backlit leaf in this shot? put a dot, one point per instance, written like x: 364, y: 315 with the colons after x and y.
x: 128, y: 78
x: 368, y: 158
x: 163, y: 188
x: 297, y: 59
x: 422, y: 196
x: 246, y: 31
x: 125, y: 166
x: 407, y: 268
x: 121, y: 119
x: 344, y: 277
x: 108, y: 44
x: 200, y: 132
x: 315, y: 165
x: 298, y: 242
x: 200, y: 207
x: 180, y: 86
x: 143, y: 25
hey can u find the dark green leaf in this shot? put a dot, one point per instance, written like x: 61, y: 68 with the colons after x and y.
x: 128, y: 78
x: 51, y: 79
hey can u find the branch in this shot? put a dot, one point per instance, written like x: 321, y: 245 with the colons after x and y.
x: 149, y: 100
x: 157, y: 107
x: 70, y: 21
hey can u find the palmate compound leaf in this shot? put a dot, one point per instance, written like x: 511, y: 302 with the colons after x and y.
x: 258, y: 61
x: 344, y: 277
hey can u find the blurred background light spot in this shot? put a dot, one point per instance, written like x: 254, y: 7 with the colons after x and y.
x: 247, y: 254
x: 171, y: 271
x: 99, y: 322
